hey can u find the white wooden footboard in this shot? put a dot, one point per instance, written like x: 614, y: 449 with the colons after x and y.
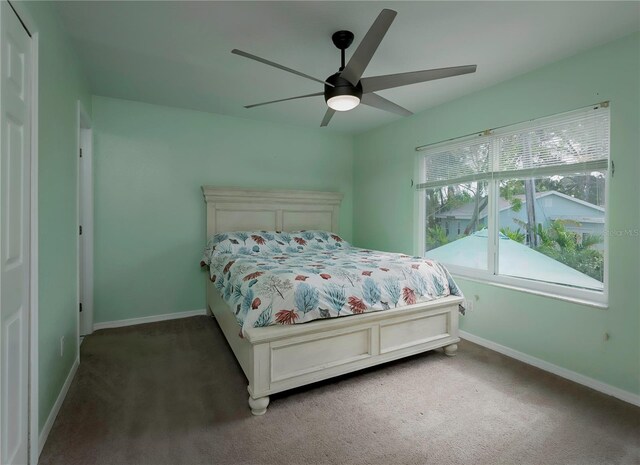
x: 278, y: 358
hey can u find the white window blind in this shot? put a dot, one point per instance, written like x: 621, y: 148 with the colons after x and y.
x: 459, y: 162
x: 576, y: 141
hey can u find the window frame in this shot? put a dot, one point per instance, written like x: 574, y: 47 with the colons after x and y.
x: 491, y: 275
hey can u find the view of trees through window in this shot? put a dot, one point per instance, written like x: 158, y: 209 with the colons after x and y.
x: 460, y: 207
x: 559, y: 218
x: 566, y: 221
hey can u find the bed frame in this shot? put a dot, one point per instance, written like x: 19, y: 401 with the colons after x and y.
x: 278, y: 358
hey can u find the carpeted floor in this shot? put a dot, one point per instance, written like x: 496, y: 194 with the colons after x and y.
x: 172, y: 393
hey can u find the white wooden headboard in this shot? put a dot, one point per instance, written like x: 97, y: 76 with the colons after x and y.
x: 232, y: 209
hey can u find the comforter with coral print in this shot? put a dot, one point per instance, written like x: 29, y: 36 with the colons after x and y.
x: 280, y: 288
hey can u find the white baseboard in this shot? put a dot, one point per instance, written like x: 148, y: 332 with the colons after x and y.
x: 555, y: 369
x: 148, y: 319
x: 46, y: 429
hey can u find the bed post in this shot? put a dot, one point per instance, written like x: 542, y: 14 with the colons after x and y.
x: 451, y: 350
x: 259, y: 405
x: 210, y: 229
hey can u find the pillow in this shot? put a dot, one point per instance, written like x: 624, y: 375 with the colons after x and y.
x: 317, y: 240
x: 253, y: 242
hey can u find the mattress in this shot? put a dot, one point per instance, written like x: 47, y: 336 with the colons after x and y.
x: 271, y: 278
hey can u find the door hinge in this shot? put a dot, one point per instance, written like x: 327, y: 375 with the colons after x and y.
x: 80, y: 153
x: 80, y: 306
x: 80, y: 229
x: 613, y: 168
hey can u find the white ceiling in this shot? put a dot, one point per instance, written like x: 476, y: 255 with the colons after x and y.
x: 178, y: 53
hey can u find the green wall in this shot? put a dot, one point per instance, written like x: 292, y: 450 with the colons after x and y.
x: 565, y: 334
x: 61, y: 84
x: 149, y: 164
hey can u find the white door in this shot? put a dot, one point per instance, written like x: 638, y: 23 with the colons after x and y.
x: 15, y: 172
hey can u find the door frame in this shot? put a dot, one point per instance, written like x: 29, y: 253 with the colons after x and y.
x: 34, y: 428
x: 84, y: 125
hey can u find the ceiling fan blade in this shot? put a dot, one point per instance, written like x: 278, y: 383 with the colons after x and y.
x: 235, y: 51
x: 375, y: 83
x: 284, y: 100
x: 327, y: 117
x: 381, y: 103
x: 368, y: 46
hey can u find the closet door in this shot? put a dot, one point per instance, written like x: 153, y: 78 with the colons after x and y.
x: 15, y: 207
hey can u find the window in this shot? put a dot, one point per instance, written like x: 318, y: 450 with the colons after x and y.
x: 529, y: 201
x: 462, y: 200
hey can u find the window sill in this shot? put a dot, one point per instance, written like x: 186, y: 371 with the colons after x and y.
x: 512, y: 284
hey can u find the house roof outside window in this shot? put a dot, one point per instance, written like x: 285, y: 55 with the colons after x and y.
x: 516, y: 260
x: 596, y: 215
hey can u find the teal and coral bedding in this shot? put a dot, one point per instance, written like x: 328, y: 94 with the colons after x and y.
x: 270, y: 278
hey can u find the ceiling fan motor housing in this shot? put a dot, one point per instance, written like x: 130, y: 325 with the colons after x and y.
x: 342, y: 87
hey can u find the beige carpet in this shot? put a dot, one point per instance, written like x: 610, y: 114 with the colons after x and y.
x: 171, y: 393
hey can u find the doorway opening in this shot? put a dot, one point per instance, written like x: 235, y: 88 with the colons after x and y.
x: 85, y: 225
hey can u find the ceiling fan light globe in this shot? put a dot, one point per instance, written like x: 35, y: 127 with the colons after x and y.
x: 343, y: 102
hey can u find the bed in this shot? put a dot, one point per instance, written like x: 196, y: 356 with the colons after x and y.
x: 279, y: 357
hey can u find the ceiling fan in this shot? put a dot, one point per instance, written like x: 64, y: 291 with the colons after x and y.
x: 346, y: 89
